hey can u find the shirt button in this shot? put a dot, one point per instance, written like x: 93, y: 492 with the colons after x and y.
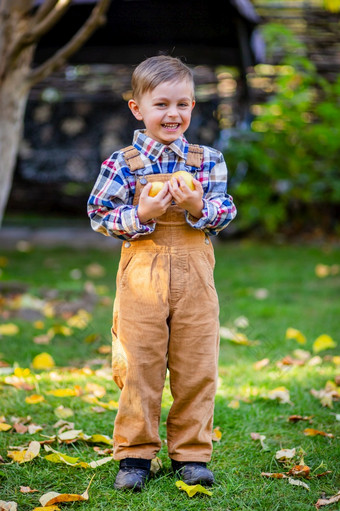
x: 206, y: 241
x: 127, y: 244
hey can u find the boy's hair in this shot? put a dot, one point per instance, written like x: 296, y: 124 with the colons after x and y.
x: 155, y: 70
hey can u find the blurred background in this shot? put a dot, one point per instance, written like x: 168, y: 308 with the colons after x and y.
x: 268, y: 88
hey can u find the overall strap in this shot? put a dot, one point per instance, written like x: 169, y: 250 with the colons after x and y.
x: 132, y: 158
x: 194, y: 156
x: 135, y: 162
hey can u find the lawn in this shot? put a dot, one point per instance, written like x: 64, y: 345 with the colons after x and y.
x: 59, y: 301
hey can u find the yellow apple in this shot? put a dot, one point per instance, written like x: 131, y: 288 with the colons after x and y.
x: 188, y: 179
x: 155, y: 188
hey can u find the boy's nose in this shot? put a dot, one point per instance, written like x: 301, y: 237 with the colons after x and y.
x: 172, y: 111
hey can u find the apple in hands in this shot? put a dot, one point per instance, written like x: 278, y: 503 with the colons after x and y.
x: 187, y: 193
x: 187, y: 177
x: 156, y: 187
x: 151, y: 207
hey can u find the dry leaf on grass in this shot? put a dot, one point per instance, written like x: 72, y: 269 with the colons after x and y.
x: 296, y: 482
x: 323, y: 342
x: 53, y: 497
x: 327, y: 501
x: 285, y: 454
x: 192, y: 490
x: 293, y: 333
x: 216, y: 434
x: 315, y: 432
x: 27, y: 489
x: 299, y: 471
x: 261, y: 438
x: 8, y: 506
x: 59, y: 457
x: 26, y: 454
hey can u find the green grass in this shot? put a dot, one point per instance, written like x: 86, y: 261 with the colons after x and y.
x: 292, y: 296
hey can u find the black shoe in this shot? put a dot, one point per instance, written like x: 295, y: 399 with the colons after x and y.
x: 133, y: 474
x: 193, y: 472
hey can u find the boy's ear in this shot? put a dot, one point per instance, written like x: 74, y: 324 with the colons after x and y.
x: 135, y: 109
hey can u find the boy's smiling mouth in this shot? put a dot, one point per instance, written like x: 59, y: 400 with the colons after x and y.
x: 171, y: 126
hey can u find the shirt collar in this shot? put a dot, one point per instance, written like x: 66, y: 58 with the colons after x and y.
x: 153, y: 149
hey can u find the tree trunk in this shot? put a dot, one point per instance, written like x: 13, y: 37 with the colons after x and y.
x: 13, y: 99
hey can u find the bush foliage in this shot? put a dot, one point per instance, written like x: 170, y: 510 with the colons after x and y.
x: 285, y: 166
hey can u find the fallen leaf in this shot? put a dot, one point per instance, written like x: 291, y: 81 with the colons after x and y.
x: 234, y: 404
x: 299, y: 471
x: 327, y: 501
x: 63, y: 412
x: 314, y: 432
x: 323, y: 342
x: 216, y: 434
x: 296, y: 482
x: 293, y: 333
x: 47, y: 508
x: 9, y: 329
x: 280, y: 393
x: 79, y: 320
x: 261, y: 438
x: 156, y: 465
x: 64, y: 392
x: 260, y: 364
x: 25, y: 455
x: 43, y: 361
x: 58, y: 457
x: 27, y: 489
x: 4, y: 426
x: 192, y: 490
x: 296, y: 418
x: 53, y: 497
x: 95, y: 389
x: 274, y: 475
x: 285, y: 454
x: 34, y: 399
x: 8, y: 506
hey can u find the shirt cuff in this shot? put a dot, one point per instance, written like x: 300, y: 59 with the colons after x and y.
x: 133, y: 227
x: 209, y: 213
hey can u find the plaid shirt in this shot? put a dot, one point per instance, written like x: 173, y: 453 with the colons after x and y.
x: 110, y: 205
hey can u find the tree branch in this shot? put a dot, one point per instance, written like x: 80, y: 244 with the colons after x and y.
x: 96, y: 18
x: 43, y: 10
x: 32, y: 35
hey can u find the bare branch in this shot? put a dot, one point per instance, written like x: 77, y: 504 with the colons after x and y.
x: 32, y: 35
x: 44, y: 10
x: 49, y: 21
x: 96, y: 18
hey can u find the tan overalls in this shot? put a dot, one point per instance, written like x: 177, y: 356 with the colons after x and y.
x: 166, y: 317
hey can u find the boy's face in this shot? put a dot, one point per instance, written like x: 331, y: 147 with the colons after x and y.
x: 166, y: 110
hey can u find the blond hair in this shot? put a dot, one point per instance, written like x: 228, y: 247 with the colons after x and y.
x: 158, y: 69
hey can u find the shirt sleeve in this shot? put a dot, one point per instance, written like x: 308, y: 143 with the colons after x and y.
x: 218, y: 206
x: 110, y: 207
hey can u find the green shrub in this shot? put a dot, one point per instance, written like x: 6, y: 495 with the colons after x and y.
x: 285, y: 167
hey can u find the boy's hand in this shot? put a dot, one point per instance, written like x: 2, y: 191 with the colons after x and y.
x: 153, y: 207
x: 191, y: 200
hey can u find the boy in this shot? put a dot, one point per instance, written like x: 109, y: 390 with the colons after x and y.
x: 166, y: 306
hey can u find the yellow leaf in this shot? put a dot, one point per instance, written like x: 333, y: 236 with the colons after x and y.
x: 322, y: 270
x: 216, y: 434
x: 293, y: 333
x: 21, y: 373
x: 63, y: 392
x: 80, y: 320
x: 39, y: 325
x: 47, y: 508
x: 63, y: 412
x: 43, y: 361
x: 234, y: 404
x: 314, y: 432
x: 192, y: 490
x: 52, y: 497
x: 156, y: 465
x: 95, y: 389
x: 100, y: 439
x: 4, y: 426
x: 25, y: 455
x: 336, y: 360
x: 9, y: 329
x: 34, y: 399
x: 323, y: 342
x: 60, y: 330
